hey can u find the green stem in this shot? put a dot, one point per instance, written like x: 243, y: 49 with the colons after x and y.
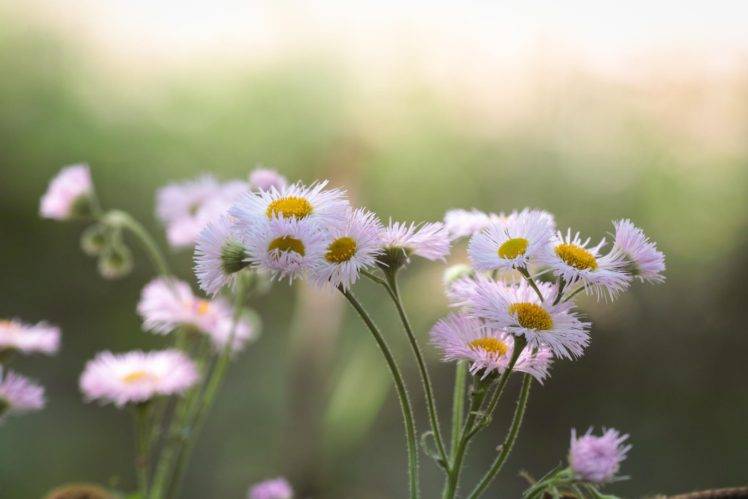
x: 560, y: 292
x: 394, y: 292
x: 574, y: 293
x: 477, y: 396
x: 511, y: 437
x: 118, y: 218
x: 458, y: 406
x: 142, y: 438
x: 410, y: 429
x: 531, y: 282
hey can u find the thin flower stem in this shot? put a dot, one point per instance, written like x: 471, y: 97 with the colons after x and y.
x: 458, y: 405
x: 394, y: 292
x: 511, y: 437
x: 213, y: 385
x: 531, y: 282
x: 560, y: 292
x: 574, y: 293
x: 123, y: 219
x: 410, y: 428
x: 142, y: 448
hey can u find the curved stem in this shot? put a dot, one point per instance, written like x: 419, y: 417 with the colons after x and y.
x: 410, y: 429
x: 428, y: 389
x: 122, y: 219
x: 511, y: 437
x: 458, y: 406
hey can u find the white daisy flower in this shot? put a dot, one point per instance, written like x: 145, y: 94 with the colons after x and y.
x: 29, y: 338
x: 465, y: 223
x: 295, y: 202
x: 136, y: 377
x: 19, y: 394
x: 166, y: 305
x: 430, y: 240
x: 264, y: 179
x: 69, y: 194
x: 461, y: 337
x: 285, y: 247
x: 219, y: 255
x: 350, y: 247
x: 517, y: 309
x: 510, y: 245
x: 644, y: 261
x: 571, y: 259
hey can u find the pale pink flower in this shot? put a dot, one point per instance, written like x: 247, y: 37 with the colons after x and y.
x: 597, y: 459
x: 644, y: 261
x: 68, y: 194
x: 19, y: 394
x: 429, y: 240
x: 264, y: 179
x: 29, y: 338
x: 277, y: 488
x: 465, y: 223
x: 137, y: 376
x: 219, y: 255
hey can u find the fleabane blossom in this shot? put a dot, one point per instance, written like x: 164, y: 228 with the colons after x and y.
x: 313, y: 204
x: 166, y: 305
x: 460, y: 337
x: 136, y: 377
x: 219, y: 255
x: 645, y: 262
x: 185, y: 208
x: 285, y: 247
x: 512, y: 244
x: 350, y: 248
x: 263, y: 179
x: 429, y: 240
x: 276, y: 488
x: 19, y: 394
x: 597, y: 459
x: 29, y: 338
x: 69, y: 194
x: 572, y: 259
x: 518, y: 310
x: 465, y: 223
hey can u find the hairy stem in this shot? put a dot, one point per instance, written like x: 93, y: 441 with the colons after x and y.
x: 506, y: 446
x: 410, y: 429
x: 458, y: 406
x: 123, y: 219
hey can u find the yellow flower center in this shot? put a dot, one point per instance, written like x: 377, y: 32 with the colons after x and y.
x: 341, y: 250
x: 493, y: 346
x: 576, y: 256
x: 289, y: 207
x: 531, y: 316
x: 287, y: 243
x: 512, y: 248
x: 138, y: 376
x: 202, y: 307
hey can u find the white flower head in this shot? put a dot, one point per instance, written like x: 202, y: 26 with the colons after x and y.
x: 19, y: 394
x: 645, y: 262
x: 518, y: 310
x: 219, y: 255
x: 69, y: 194
x: 574, y: 260
x: 350, y: 248
x: 29, y: 338
x: 465, y: 223
x: 512, y: 244
x: 429, y: 240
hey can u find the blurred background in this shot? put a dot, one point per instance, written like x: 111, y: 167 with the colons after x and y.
x: 591, y: 110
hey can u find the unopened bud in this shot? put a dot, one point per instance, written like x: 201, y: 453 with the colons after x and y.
x: 115, y: 262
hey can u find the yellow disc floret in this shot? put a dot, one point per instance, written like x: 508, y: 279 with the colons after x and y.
x: 576, y: 256
x: 202, y: 307
x: 531, y: 316
x: 490, y: 345
x: 287, y: 244
x: 290, y: 207
x: 137, y: 377
x: 341, y: 250
x: 512, y: 248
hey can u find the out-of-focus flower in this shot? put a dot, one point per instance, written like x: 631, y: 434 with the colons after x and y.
x: 517, y: 309
x: 166, y: 305
x: 285, y: 247
x: 29, y: 338
x: 644, y: 261
x: 69, y: 194
x: 513, y: 244
x: 295, y: 202
x: 137, y: 376
x: 264, y: 179
x: 430, y: 240
x: 186, y: 208
x: 19, y: 394
x: 219, y: 255
x: 572, y: 259
x: 597, y: 459
x: 465, y: 223
x: 460, y: 337
x: 350, y: 247
x: 277, y: 488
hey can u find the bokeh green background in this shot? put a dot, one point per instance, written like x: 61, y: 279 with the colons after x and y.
x: 311, y: 399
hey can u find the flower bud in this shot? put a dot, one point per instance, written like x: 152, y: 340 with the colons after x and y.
x: 115, y: 262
